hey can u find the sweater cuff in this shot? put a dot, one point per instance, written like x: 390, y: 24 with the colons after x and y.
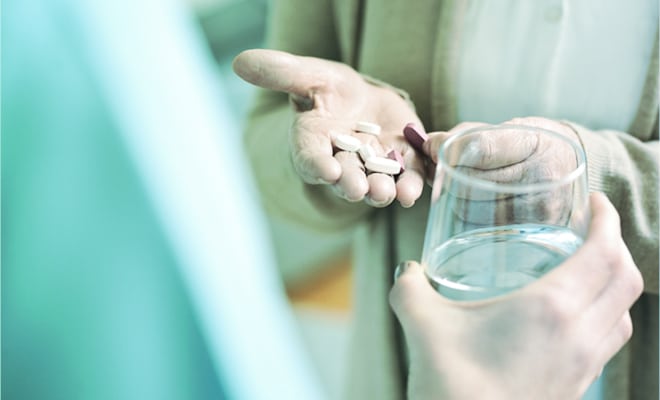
x: 598, y: 157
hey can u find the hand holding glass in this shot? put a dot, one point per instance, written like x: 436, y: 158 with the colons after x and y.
x: 509, y: 203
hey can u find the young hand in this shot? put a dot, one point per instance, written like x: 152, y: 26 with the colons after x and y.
x: 548, y: 340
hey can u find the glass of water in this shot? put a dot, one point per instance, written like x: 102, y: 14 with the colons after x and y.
x: 509, y: 203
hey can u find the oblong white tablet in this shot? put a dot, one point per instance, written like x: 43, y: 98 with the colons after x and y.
x: 366, y: 152
x: 347, y: 142
x: 367, y: 127
x: 383, y: 165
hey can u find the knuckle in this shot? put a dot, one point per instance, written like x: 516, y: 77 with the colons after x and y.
x: 549, y: 308
x: 611, y: 255
x: 399, y: 297
x: 618, y: 258
x: 636, y: 285
x: 556, y: 305
x: 582, y: 357
x: 626, y: 327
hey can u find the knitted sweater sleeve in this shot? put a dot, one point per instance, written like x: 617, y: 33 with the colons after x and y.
x: 625, y: 168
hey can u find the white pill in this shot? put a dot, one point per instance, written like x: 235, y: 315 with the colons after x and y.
x: 366, y: 152
x: 367, y: 127
x: 384, y: 165
x: 347, y: 142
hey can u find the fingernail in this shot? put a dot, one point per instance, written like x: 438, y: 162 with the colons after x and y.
x: 400, y: 269
x: 371, y: 202
x: 407, y: 205
x: 415, y: 136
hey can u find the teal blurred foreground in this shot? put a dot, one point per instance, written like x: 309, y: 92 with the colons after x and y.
x: 134, y: 261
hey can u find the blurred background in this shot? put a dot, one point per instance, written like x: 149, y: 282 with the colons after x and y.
x: 136, y: 262
x: 316, y: 268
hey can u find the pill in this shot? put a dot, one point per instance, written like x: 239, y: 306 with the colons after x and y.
x: 396, y: 156
x: 384, y: 165
x: 366, y: 152
x: 415, y: 136
x: 347, y: 142
x: 367, y: 127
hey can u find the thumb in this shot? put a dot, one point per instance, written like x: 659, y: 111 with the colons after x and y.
x: 411, y: 289
x: 436, y: 139
x: 281, y: 71
x: 605, y: 221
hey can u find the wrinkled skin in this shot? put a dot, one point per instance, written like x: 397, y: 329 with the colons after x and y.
x: 328, y: 98
x: 511, y: 157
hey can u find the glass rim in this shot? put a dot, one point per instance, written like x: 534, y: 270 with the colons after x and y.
x: 513, y: 187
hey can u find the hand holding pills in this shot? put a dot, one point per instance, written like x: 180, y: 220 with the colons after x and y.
x: 346, y: 132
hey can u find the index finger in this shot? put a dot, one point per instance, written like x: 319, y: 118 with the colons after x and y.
x: 299, y: 76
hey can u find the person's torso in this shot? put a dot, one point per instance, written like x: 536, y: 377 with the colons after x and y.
x: 585, y: 62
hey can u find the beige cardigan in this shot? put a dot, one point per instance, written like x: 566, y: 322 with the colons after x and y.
x: 412, y: 46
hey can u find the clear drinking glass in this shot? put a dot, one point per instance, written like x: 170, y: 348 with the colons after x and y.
x: 509, y: 203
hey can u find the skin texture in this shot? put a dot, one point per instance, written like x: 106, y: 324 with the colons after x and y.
x: 548, y: 340
x: 329, y: 98
x: 509, y: 156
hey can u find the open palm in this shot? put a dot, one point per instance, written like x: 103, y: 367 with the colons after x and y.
x: 329, y: 99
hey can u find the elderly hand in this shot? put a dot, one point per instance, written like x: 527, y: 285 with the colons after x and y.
x: 329, y: 98
x: 548, y: 340
x: 511, y: 156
